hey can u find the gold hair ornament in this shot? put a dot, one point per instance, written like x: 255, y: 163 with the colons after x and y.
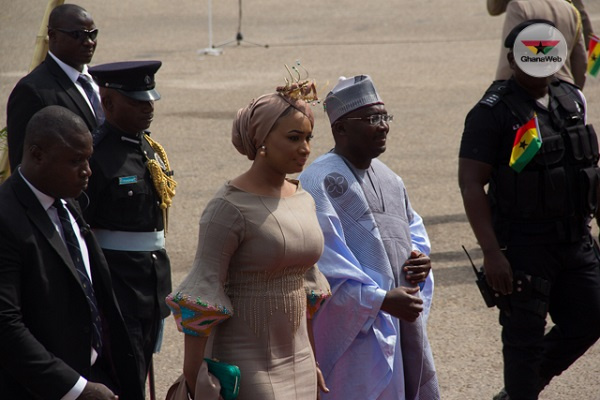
x: 299, y: 88
x: 162, y: 177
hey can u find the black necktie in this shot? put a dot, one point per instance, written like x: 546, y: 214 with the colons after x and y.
x: 93, y: 97
x: 75, y: 252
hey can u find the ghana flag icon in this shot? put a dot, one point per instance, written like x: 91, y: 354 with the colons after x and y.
x: 594, y: 56
x: 540, y: 46
x: 528, y: 141
x: 540, y: 50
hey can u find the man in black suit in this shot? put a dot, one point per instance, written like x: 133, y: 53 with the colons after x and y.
x: 56, y: 81
x: 61, y: 332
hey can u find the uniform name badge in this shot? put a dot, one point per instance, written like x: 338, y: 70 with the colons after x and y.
x: 127, y: 180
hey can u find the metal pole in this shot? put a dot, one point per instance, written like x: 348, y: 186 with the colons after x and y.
x: 210, y: 50
x: 210, y: 38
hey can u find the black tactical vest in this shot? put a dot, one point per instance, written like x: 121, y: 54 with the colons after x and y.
x: 553, y: 197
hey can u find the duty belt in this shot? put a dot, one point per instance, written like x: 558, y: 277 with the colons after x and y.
x: 130, y: 241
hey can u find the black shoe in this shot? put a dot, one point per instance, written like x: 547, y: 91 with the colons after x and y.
x: 501, y: 396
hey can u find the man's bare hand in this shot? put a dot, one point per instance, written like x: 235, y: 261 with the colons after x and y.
x: 497, y: 271
x: 97, y: 391
x: 401, y: 303
x: 417, y: 267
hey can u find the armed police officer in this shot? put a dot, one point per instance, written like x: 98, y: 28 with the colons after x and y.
x: 533, y: 222
x: 129, y: 196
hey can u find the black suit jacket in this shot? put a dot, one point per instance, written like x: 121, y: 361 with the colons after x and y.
x: 46, y: 85
x: 45, y: 323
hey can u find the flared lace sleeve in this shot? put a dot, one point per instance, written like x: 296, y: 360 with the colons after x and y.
x: 200, y: 302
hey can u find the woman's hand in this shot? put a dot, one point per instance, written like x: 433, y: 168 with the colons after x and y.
x: 193, y: 359
x: 321, y: 386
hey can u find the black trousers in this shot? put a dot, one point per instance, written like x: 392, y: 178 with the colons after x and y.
x: 141, y: 282
x: 101, y: 372
x: 143, y: 333
x: 533, y: 357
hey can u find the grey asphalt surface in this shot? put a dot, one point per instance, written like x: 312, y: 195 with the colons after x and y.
x: 431, y: 61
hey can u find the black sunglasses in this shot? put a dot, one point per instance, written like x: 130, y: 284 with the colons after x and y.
x: 80, y: 34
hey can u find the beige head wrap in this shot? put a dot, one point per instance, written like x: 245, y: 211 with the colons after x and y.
x: 254, y: 122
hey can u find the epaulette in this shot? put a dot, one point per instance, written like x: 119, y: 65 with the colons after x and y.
x: 494, y: 93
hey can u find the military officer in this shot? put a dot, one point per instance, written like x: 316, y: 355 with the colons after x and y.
x: 128, y: 199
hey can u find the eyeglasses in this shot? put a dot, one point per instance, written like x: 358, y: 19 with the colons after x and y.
x: 376, y: 119
x: 80, y: 34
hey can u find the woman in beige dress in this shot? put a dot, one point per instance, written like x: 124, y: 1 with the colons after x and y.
x: 254, y: 285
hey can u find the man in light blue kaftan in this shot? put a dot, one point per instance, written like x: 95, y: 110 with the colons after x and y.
x: 370, y: 336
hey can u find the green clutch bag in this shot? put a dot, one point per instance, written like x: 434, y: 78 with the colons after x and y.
x: 228, y: 375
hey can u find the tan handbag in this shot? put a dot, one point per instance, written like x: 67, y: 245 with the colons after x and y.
x: 178, y: 390
x: 207, y: 387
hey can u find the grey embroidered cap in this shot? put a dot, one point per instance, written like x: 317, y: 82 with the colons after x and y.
x: 350, y: 94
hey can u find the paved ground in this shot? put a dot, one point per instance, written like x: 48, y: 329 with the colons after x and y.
x: 431, y: 61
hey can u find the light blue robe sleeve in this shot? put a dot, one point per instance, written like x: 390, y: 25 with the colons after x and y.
x: 420, y: 242
x: 418, y: 235
x: 350, y: 322
x: 358, y: 346
x: 347, y: 279
x: 353, y: 310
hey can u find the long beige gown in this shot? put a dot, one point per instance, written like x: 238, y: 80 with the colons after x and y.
x: 252, y: 284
